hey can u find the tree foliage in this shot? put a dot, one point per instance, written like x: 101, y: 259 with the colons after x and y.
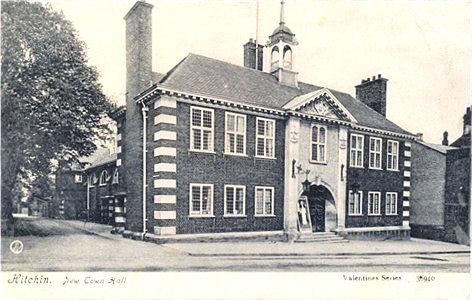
x: 52, y: 103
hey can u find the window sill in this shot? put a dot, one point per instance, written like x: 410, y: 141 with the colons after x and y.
x: 356, y: 167
x: 201, y: 151
x: 235, y: 154
x: 102, y: 184
x: 392, y: 215
x: 234, y: 216
x: 374, y: 215
x: 378, y: 169
x: 318, y: 162
x: 265, y: 157
x: 394, y: 170
x: 201, y: 217
x: 264, y: 216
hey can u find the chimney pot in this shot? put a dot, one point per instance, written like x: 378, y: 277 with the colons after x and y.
x: 373, y: 78
x: 379, y: 76
x: 420, y: 136
x: 445, y: 141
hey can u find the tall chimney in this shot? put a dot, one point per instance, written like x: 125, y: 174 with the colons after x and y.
x: 445, y: 141
x: 467, y: 123
x: 250, y: 55
x: 374, y: 93
x: 138, y: 78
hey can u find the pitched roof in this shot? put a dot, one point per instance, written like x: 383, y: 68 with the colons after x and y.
x: 463, y: 141
x: 210, y: 77
x: 438, y: 147
x: 99, y: 157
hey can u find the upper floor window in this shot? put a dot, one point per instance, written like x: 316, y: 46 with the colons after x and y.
x: 235, y: 202
x: 92, y: 179
x: 318, y: 143
x: 78, y: 178
x: 374, y: 203
x: 391, y: 203
x: 104, y: 177
x: 375, y: 153
x: 264, y: 201
x: 201, y: 129
x: 115, y: 176
x: 201, y: 200
x: 235, y: 142
x: 355, y: 203
x: 392, y: 155
x: 357, y: 150
x: 265, y: 138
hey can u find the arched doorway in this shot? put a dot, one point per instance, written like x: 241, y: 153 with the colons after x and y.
x: 322, y: 209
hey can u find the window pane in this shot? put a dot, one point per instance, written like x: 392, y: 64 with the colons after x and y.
x: 197, y: 139
x: 207, y: 120
x: 314, y: 152
x: 269, y: 147
x: 270, y: 129
x: 206, y: 200
x: 260, y: 127
x: 240, y: 128
x: 322, y: 153
x: 240, y: 144
x: 196, y: 199
x: 353, y: 142
x: 389, y: 147
x: 196, y: 117
x: 206, y: 140
x: 377, y: 145
x: 268, y: 201
x: 229, y: 200
x: 230, y: 142
x: 359, y: 158
x: 239, y: 201
x: 230, y: 122
x: 260, y: 146
x: 322, y: 135
x: 314, y: 134
x: 259, y: 201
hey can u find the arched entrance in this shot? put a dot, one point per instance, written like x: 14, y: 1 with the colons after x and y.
x: 322, y: 209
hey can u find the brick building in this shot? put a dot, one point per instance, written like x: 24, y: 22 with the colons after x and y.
x: 440, y: 195
x: 216, y: 147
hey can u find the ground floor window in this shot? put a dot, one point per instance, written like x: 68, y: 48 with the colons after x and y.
x: 355, y: 203
x: 264, y: 201
x: 374, y: 203
x: 235, y: 200
x: 391, y: 204
x: 201, y: 199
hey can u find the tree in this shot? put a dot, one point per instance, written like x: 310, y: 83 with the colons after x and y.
x: 52, y: 103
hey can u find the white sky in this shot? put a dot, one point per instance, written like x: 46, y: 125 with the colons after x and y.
x: 423, y: 47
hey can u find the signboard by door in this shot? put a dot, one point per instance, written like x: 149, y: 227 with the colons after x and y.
x: 304, y: 218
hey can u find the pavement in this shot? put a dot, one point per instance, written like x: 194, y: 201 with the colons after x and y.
x: 79, y: 246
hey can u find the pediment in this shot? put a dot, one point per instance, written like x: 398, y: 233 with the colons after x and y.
x: 320, y: 103
x: 321, y: 107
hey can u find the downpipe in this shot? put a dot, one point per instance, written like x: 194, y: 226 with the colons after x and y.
x: 144, y: 111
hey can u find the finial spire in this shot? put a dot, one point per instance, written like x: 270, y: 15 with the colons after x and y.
x: 282, y: 21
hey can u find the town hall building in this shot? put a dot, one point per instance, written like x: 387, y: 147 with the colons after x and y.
x: 214, y: 147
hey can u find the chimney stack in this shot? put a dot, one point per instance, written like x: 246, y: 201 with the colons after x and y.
x: 373, y: 92
x: 420, y: 136
x: 467, y: 124
x: 138, y: 78
x: 445, y: 141
x: 250, y: 55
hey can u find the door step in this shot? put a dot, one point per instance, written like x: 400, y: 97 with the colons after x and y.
x: 320, y: 237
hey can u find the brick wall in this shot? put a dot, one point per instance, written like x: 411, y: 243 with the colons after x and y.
x: 69, y: 194
x: 427, y: 186
x: 219, y: 169
x: 382, y: 181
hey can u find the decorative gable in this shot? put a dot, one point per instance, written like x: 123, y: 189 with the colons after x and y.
x: 321, y: 103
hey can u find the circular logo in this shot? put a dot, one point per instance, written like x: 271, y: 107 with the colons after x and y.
x: 16, y: 247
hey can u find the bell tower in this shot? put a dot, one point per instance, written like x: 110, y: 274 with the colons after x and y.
x: 280, y: 53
